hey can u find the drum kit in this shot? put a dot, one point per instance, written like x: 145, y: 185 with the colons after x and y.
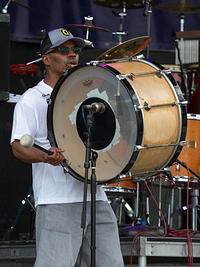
x: 144, y: 127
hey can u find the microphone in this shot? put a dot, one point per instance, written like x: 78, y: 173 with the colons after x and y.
x: 27, y: 141
x: 96, y: 107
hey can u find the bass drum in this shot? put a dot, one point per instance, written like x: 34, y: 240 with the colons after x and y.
x: 142, y: 126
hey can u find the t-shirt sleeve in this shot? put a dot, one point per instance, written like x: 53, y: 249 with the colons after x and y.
x: 24, y: 121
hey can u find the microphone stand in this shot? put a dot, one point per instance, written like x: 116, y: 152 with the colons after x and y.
x: 90, y: 155
x: 93, y: 209
x: 147, y: 13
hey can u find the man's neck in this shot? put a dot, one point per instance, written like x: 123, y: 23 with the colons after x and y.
x: 51, y: 80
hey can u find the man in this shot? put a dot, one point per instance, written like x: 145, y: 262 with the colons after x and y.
x: 58, y: 196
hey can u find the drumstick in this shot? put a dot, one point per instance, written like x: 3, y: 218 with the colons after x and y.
x: 28, y: 141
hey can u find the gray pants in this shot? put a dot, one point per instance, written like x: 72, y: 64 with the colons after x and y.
x: 59, y: 236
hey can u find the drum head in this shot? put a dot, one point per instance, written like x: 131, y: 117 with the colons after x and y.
x: 114, y: 133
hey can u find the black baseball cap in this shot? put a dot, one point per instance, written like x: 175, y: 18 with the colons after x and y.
x: 57, y: 37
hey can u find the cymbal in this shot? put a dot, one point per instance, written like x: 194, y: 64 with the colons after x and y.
x: 179, y: 7
x: 128, y: 48
x: 130, y: 4
x: 86, y: 26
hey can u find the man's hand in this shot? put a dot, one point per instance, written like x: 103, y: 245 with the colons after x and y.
x: 56, y: 158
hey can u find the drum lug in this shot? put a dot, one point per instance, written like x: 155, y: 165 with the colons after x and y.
x: 167, y: 71
x: 93, y: 63
x: 182, y: 143
x: 138, y: 148
x: 123, y: 76
x: 182, y: 103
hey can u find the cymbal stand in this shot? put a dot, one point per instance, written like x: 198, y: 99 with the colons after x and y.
x: 120, y: 34
x: 88, y: 21
x: 147, y: 13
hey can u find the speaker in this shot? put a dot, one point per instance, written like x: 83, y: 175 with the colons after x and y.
x: 5, y: 49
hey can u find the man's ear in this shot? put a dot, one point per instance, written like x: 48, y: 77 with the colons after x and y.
x: 45, y: 59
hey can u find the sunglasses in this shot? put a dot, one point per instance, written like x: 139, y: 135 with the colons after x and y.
x: 64, y: 50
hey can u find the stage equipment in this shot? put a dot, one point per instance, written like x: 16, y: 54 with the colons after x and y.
x: 188, y: 164
x: 24, y: 69
x: 193, y: 83
x: 129, y: 48
x: 142, y: 129
x: 87, y: 27
x: 179, y: 7
x: 5, y: 47
x: 189, y: 51
x: 147, y: 12
x: 119, y: 4
x: 191, y: 74
x: 5, y: 9
x: 175, y: 72
x: 124, y: 5
x: 123, y: 185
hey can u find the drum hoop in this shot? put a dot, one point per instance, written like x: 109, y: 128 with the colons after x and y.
x: 50, y: 129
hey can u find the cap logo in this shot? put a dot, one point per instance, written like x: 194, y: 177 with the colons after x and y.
x: 65, y: 32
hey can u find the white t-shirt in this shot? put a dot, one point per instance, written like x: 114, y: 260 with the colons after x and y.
x: 50, y: 184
